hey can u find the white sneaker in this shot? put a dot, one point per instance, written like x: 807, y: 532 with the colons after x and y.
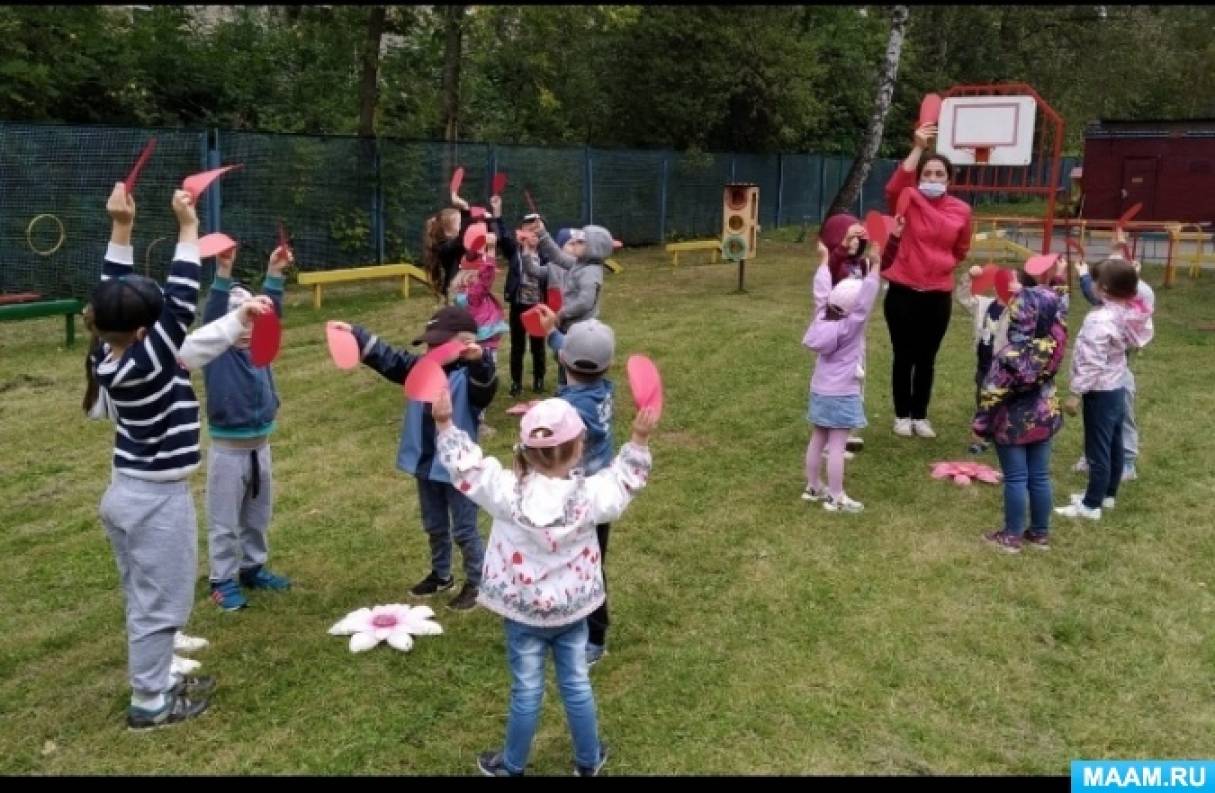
x: 1129, y: 474
x: 842, y: 504
x: 855, y: 443
x: 1078, y: 511
x: 923, y: 428
x: 188, y: 644
x: 183, y: 666
x: 847, y: 454
x: 1106, y: 503
x: 810, y: 494
x: 902, y: 428
x: 1081, y: 466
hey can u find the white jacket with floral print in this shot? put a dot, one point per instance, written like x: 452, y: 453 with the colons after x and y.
x: 542, y: 563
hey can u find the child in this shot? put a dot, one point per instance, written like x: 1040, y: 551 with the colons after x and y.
x: 843, y: 252
x: 442, y: 249
x: 523, y: 290
x: 1130, y: 429
x: 147, y: 510
x: 242, y: 402
x: 1019, y: 410
x: 990, y: 327
x: 1098, y: 372
x: 472, y: 289
x: 446, y: 512
x: 583, y: 287
x: 572, y: 243
x: 837, y: 334
x: 543, y: 573
x: 586, y: 353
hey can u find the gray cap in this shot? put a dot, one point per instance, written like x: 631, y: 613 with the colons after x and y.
x: 589, y: 347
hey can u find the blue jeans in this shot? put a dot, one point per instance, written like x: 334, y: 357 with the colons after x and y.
x: 1103, y: 415
x: 1026, y: 477
x: 437, y: 500
x: 526, y: 649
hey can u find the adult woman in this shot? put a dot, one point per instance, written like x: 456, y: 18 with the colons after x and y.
x: 935, y: 240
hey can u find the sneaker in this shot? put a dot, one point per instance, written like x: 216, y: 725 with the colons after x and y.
x: 486, y: 431
x: 516, y: 389
x: 183, y: 666
x: 847, y: 454
x: 922, y: 428
x: 193, y: 687
x: 810, y: 494
x: 902, y: 428
x: 466, y: 600
x: 261, y: 578
x: 188, y: 644
x: 842, y: 504
x: 594, y: 653
x: 581, y: 770
x: 176, y: 710
x: 1081, y: 466
x: 492, y: 764
x: 1106, y: 503
x: 1129, y: 474
x: 227, y: 595
x: 1004, y: 542
x: 432, y: 584
x: 855, y: 444
x: 1034, y: 539
x: 1078, y: 511
x: 538, y: 386
x: 978, y: 447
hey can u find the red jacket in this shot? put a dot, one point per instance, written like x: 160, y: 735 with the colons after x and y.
x: 935, y: 240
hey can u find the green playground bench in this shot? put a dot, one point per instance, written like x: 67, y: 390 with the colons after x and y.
x: 31, y: 309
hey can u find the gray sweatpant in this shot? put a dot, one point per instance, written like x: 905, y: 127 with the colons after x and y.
x: 1130, y: 430
x: 239, y: 508
x: 153, y: 529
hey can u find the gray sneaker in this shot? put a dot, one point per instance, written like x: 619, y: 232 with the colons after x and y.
x: 176, y: 710
x: 466, y: 600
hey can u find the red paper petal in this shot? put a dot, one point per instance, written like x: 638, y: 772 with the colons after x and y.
x: 457, y: 179
x: 985, y: 281
x: 1041, y: 263
x: 198, y: 183
x: 645, y: 382
x: 1004, y: 280
x: 499, y: 183
x: 1130, y: 213
x: 876, y: 227
x: 133, y: 176
x: 474, y: 237
x: 426, y: 381
x: 532, y: 324
x: 343, y: 347
x: 446, y: 353
x: 930, y: 109
x: 553, y: 298
x: 214, y: 244
x: 267, y: 336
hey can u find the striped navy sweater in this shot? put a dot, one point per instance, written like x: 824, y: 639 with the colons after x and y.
x: 157, y: 410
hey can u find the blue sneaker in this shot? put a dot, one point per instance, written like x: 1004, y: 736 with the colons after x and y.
x: 594, y: 653
x: 580, y: 770
x: 261, y: 578
x: 227, y: 595
x: 493, y: 764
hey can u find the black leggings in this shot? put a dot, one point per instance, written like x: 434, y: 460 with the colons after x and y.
x: 520, y: 340
x: 917, y: 323
x: 598, y: 621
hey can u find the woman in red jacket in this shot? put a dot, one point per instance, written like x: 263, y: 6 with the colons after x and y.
x: 934, y: 242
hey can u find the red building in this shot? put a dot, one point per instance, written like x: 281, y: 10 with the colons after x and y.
x: 1168, y: 165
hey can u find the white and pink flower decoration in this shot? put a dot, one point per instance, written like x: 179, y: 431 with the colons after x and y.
x: 396, y: 623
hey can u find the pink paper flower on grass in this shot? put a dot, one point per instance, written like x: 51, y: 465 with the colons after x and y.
x: 396, y: 623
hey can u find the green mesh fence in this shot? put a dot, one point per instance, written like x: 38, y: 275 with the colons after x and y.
x: 65, y: 174
x: 348, y: 202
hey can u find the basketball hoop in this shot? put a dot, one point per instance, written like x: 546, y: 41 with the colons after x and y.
x: 979, y: 155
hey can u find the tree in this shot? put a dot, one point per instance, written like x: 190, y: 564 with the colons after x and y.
x: 369, y: 87
x: 452, y: 53
x: 881, y: 106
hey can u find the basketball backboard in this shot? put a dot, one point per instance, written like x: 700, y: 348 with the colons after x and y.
x: 987, y: 130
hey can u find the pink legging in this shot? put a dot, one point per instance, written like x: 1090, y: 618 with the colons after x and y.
x: 835, y: 441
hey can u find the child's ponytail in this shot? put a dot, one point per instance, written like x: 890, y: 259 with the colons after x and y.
x: 93, y: 354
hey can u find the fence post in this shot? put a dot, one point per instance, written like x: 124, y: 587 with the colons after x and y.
x: 733, y: 163
x: 822, y: 185
x: 379, y: 218
x: 780, y: 185
x: 662, y: 200
x: 213, y: 195
x: 588, y: 193
x: 492, y: 166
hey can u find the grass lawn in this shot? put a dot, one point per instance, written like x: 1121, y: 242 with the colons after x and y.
x: 752, y: 632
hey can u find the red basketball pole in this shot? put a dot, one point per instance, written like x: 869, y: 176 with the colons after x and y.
x: 1003, y: 179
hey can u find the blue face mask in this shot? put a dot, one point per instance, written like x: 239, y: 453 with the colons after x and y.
x: 462, y: 300
x: 932, y: 189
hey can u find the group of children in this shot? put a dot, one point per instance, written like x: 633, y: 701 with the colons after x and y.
x: 543, y: 572
x: 1020, y: 340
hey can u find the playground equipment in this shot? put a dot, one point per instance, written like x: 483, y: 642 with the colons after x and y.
x: 712, y: 247
x: 319, y: 280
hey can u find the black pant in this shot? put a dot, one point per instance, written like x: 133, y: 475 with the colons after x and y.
x: 519, y: 340
x: 1103, y: 414
x: 917, y: 323
x: 598, y: 620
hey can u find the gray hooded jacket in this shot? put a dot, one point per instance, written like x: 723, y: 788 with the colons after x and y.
x: 584, y: 279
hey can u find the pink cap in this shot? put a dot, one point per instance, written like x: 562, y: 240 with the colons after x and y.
x: 556, y: 416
